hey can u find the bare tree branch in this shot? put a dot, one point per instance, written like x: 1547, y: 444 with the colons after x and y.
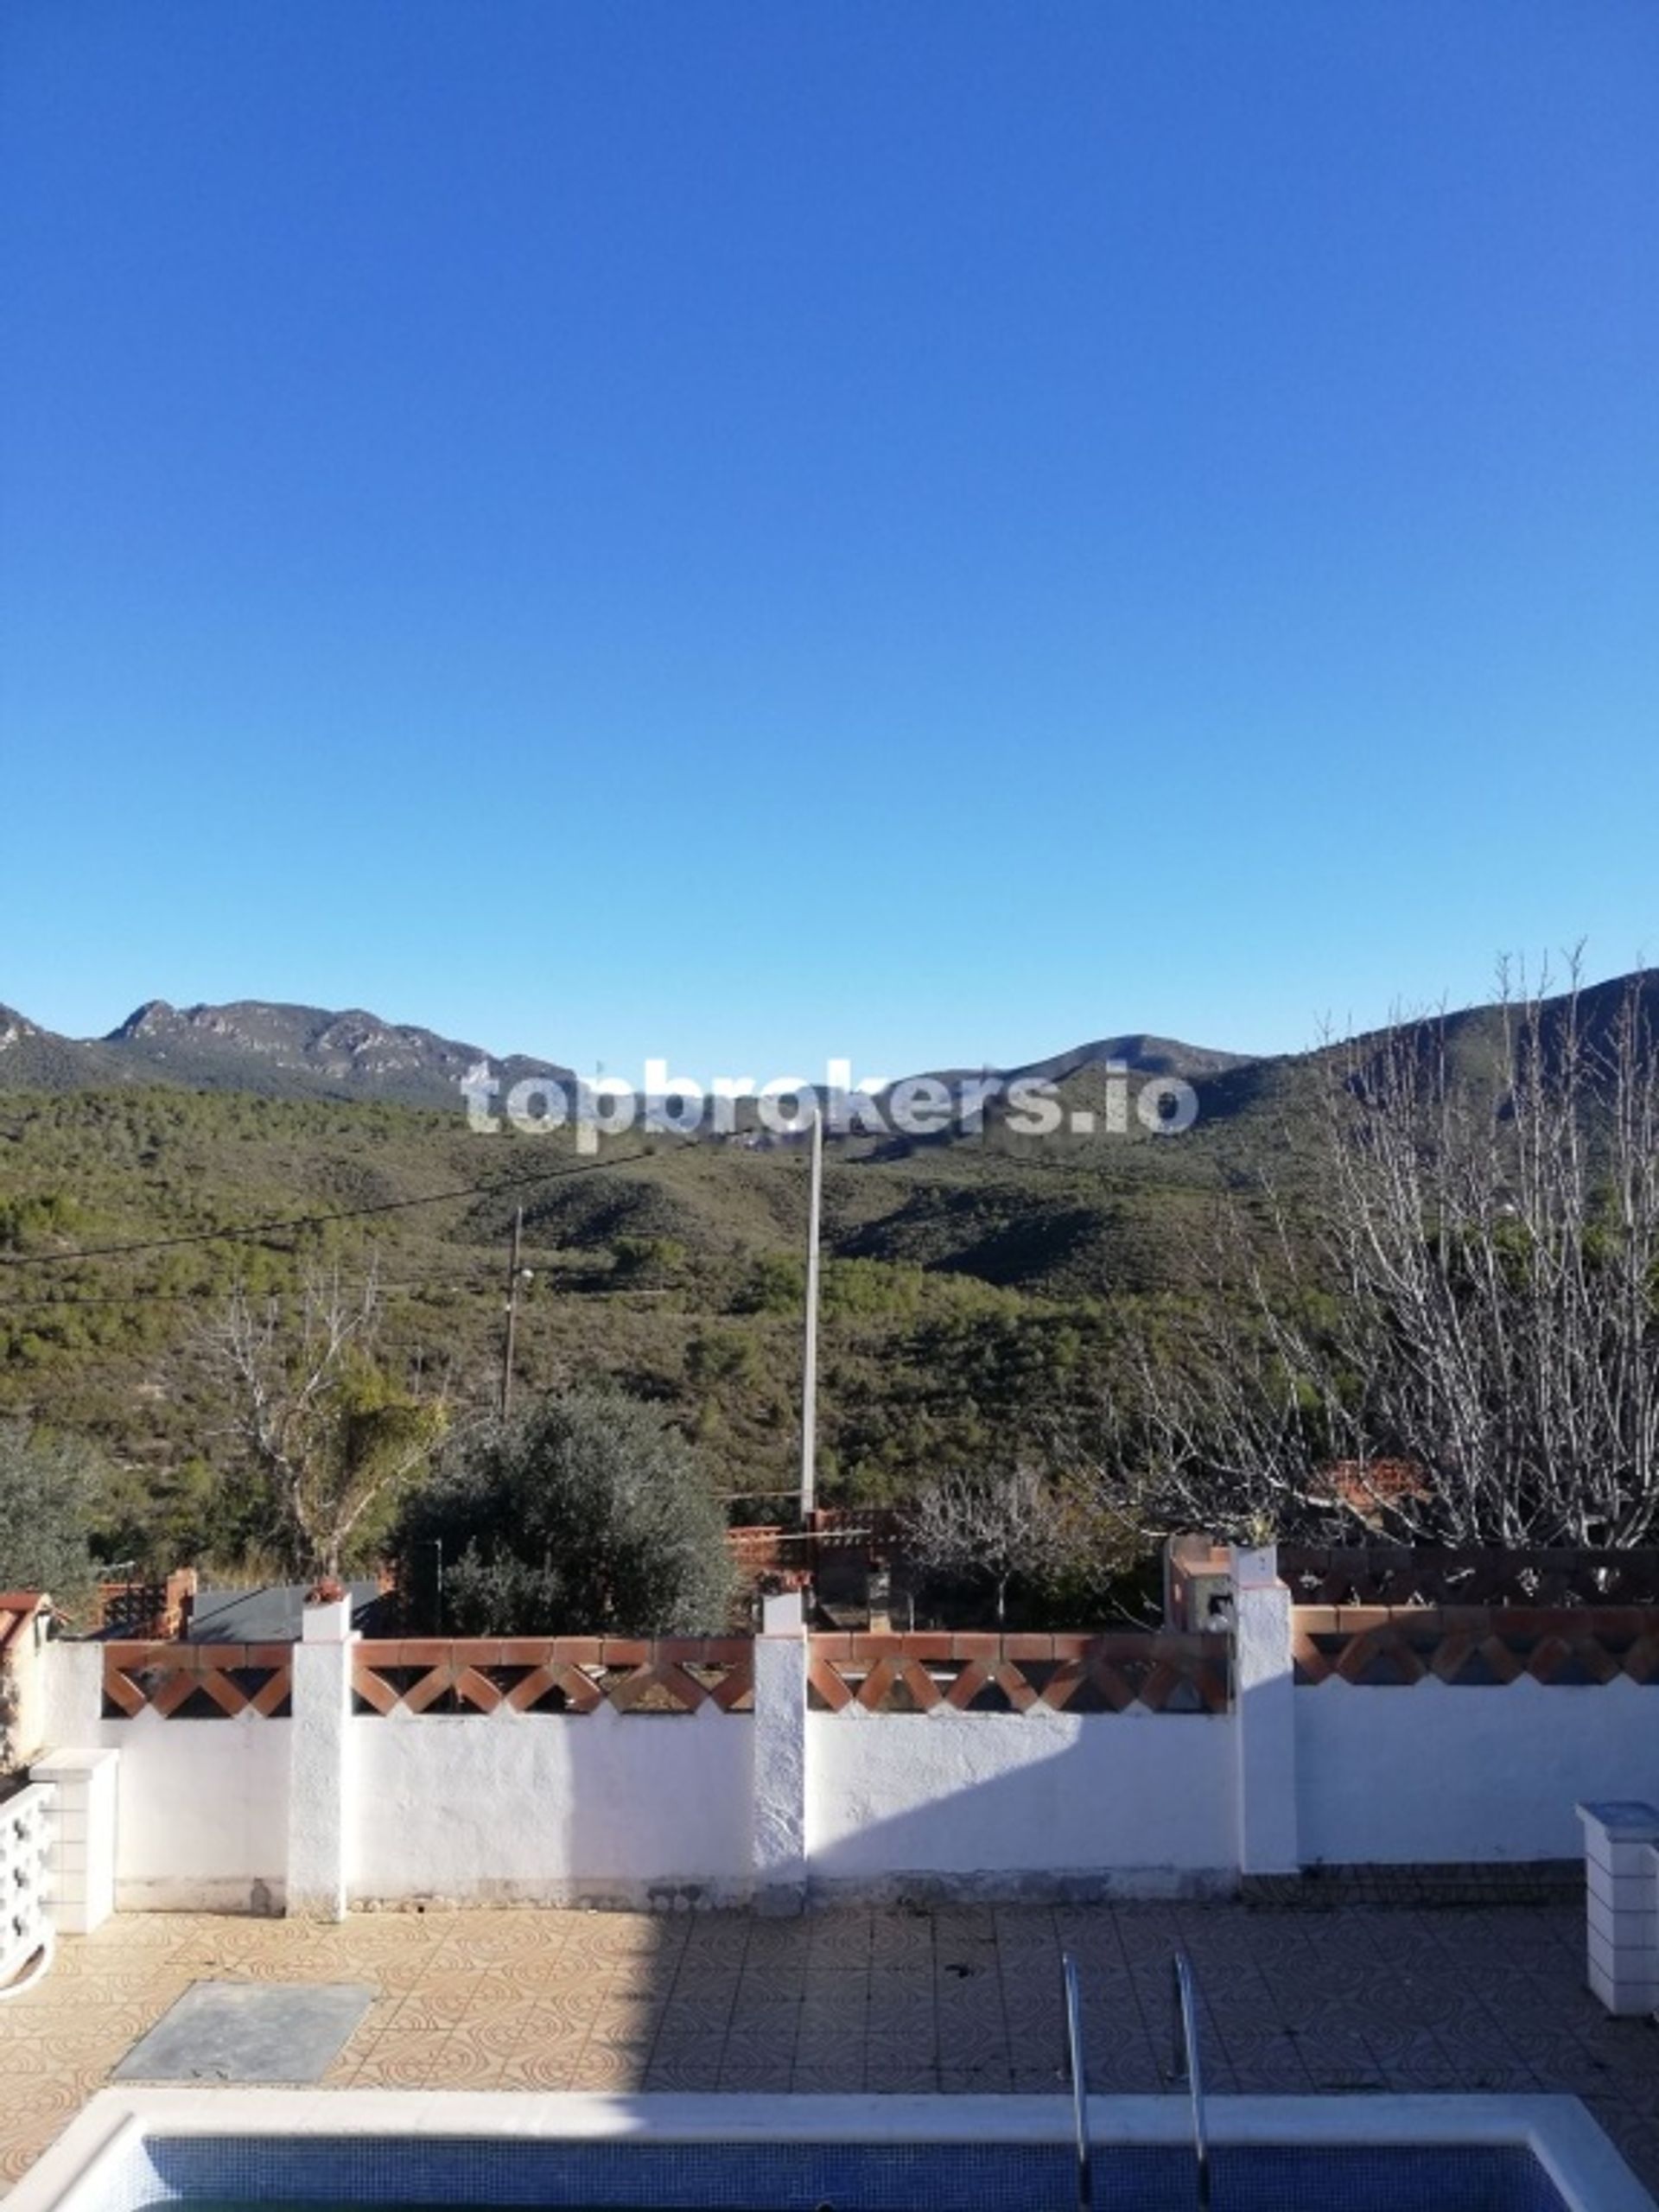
x: 315, y: 1415
x: 1454, y: 1331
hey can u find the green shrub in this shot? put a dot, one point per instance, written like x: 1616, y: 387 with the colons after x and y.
x: 47, y: 1485
x: 587, y: 1516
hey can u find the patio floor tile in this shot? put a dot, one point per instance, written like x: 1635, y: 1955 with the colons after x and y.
x: 1367, y: 1997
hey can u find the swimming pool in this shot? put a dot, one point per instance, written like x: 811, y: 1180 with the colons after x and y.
x: 402, y: 2151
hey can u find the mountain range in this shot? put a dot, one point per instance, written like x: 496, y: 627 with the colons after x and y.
x: 973, y: 1280
x: 256, y: 1045
x: 273, y: 1050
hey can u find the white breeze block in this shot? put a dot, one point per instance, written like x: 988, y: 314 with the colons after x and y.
x: 1622, y: 1905
x: 83, y: 1842
x: 25, y: 1876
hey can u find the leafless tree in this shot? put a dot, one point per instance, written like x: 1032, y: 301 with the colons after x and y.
x: 315, y: 1414
x: 1452, y: 1329
x: 996, y: 1524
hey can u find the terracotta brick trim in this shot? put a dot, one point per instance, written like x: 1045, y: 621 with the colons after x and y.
x: 197, y: 1682
x: 1474, y: 1647
x: 1164, y: 1671
x: 573, y: 1674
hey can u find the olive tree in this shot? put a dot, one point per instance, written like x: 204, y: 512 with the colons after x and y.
x: 49, y: 1489
x: 585, y: 1514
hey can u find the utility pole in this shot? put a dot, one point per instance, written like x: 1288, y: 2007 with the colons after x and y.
x: 513, y: 1274
x: 809, y: 1357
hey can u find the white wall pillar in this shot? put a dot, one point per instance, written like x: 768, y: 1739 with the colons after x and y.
x: 1264, y: 1714
x: 779, y: 1840
x: 319, y: 1808
x: 73, y: 1693
x: 1622, y: 1905
x: 83, y: 1837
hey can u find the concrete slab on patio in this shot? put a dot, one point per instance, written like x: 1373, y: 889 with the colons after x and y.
x: 249, y: 2031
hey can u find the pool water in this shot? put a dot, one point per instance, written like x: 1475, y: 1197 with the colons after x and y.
x: 481, y: 2176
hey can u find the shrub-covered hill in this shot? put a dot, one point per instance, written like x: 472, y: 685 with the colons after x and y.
x: 975, y: 1286
x: 963, y: 1286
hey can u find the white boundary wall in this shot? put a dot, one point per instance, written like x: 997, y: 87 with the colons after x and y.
x: 607, y: 1808
x: 1433, y: 1772
x: 1136, y: 1801
x: 711, y: 1806
x: 201, y: 1817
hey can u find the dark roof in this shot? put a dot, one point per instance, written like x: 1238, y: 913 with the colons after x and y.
x: 269, y: 1614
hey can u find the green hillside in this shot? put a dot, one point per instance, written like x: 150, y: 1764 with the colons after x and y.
x: 964, y: 1286
x: 976, y: 1285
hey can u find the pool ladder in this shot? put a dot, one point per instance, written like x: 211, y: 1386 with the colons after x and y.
x: 1186, y: 2068
x: 1079, y: 2071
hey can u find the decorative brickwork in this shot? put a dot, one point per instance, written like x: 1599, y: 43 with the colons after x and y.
x: 568, y: 1673
x: 1164, y: 1672
x: 1381, y: 1646
x: 923, y: 1673
x: 196, y: 1682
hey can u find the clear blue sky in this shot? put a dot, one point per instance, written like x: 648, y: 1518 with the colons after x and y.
x: 927, y: 530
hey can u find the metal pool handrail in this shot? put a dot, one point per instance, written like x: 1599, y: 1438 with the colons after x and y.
x: 1187, y: 2066
x: 1079, y: 2080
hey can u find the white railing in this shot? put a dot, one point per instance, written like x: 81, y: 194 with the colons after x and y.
x: 25, y: 1884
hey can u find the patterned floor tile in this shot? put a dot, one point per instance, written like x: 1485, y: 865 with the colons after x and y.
x: 684, y: 2076
x: 22, y: 2143
x: 401, y: 2061
x: 992, y: 2078
x: 1274, y: 2067
x: 776, y: 2019
x: 841, y: 2077
x: 1351, y: 1997
x: 599, y: 2069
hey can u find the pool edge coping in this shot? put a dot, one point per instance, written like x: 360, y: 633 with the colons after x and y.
x: 1560, y: 2133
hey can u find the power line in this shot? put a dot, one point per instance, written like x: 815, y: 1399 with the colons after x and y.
x: 251, y: 1232
x: 130, y: 1298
